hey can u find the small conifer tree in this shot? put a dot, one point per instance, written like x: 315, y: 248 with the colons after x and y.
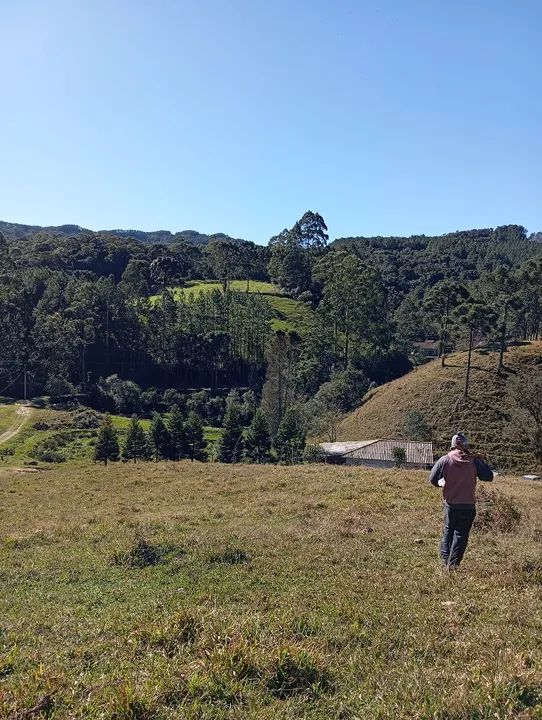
x: 107, y: 443
x: 230, y: 446
x: 290, y: 438
x: 258, y: 439
x: 160, y: 438
x: 177, y: 434
x: 195, y: 440
x: 136, y: 445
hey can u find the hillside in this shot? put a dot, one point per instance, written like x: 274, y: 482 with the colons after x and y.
x: 438, y: 393
x: 18, y: 231
x: 214, y: 592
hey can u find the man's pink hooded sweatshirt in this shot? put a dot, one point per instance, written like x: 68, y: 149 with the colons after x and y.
x: 460, y: 471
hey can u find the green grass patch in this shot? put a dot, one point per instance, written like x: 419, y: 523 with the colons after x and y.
x: 8, y: 417
x: 288, y: 314
x: 194, y: 288
x: 111, y: 607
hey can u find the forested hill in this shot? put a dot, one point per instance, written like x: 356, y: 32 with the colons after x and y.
x: 508, y: 242
x: 17, y: 231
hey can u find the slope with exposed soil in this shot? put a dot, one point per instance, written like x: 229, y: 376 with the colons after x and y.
x: 438, y: 393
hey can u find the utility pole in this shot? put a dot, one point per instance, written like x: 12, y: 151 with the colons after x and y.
x: 24, y: 382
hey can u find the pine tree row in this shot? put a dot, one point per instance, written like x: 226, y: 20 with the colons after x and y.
x: 172, y: 439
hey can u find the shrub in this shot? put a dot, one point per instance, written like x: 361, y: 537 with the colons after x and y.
x: 50, y: 448
x: 57, y: 386
x: 50, y: 456
x: 86, y: 419
x: 140, y: 555
x: 399, y: 456
x: 495, y: 511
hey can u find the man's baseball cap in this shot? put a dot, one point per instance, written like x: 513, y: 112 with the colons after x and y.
x: 459, y: 441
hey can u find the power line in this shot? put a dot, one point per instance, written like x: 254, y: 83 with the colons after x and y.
x: 10, y: 383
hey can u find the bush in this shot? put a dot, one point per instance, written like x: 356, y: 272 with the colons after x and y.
x: 57, y: 386
x: 399, y: 456
x: 125, y: 394
x: 50, y: 456
x: 495, y: 511
x: 140, y: 555
x: 313, y: 454
x: 172, y: 397
x: 50, y: 448
x: 86, y: 419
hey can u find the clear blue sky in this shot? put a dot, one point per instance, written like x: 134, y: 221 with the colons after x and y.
x: 386, y: 116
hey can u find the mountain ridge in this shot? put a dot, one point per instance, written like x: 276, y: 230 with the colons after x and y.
x: 20, y: 231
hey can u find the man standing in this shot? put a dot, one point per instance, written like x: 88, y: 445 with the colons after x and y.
x: 456, y: 474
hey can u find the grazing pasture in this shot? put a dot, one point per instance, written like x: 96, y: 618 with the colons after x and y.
x: 187, y: 590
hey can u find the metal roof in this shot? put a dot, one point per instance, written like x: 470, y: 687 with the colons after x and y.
x: 343, y: 448
x: 419, y: 453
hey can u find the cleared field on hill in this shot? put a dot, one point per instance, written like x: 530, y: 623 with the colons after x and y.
x: 53, y: 430
x: 288, y: 314
x: 438, y: 393
x: 209, y: 591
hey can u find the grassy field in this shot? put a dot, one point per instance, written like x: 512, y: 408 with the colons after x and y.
x: 288, y: 314
x: 438, y: 393
x: 209, y: 591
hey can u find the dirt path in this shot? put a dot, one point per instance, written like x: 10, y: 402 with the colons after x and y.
x: 23, y: 412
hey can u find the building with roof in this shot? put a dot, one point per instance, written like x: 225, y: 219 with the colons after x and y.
x: 378, y: 453
x: 428, y: 348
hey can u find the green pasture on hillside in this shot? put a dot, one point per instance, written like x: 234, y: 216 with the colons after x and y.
x: 288, y: 314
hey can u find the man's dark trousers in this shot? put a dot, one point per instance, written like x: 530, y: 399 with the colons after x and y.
x: 458, y: 521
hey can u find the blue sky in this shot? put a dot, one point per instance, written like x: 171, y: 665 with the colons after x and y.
x: 387, y: 117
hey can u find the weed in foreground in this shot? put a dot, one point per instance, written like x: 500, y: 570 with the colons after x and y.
x: 143, y: 553
x: 178, y: 631
x: 295, y: 672
x: 231, y: 556
x: 126, y: 705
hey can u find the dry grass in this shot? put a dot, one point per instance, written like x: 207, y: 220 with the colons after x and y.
x: 438, y: 393
x: 303, y: 592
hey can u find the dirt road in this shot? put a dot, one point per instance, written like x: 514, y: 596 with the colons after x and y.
x: 23, y: 412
